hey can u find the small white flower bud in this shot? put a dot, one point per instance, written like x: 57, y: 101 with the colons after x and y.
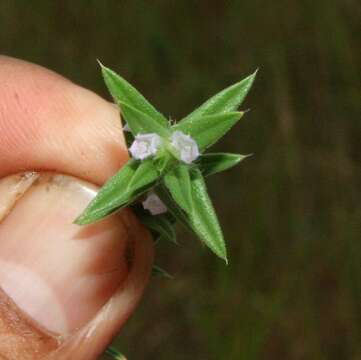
x: 186, y: 146
x: 154, y: 204
x: 145, y: 145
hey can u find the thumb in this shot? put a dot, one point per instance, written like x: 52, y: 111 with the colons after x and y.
x: 69, y: 288
x: 65, y: 290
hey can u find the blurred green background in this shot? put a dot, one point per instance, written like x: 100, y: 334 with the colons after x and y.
x: 291, y: 213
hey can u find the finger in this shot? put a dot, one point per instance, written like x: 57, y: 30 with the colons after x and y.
x: 48, y: 123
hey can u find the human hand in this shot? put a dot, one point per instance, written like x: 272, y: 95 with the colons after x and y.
x: 65, y: 290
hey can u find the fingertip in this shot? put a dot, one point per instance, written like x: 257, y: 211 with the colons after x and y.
x: 49, y: 123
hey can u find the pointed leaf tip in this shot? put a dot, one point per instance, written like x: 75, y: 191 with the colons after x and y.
x: 100, y: 63
x: 213, y: 163
x: 203, y: 218
x: 226, y: 100
x: 123, y: 92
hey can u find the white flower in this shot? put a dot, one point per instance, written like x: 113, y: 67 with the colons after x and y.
x: 154, y: 204
x: 145, y: 145
x: 186, y: 146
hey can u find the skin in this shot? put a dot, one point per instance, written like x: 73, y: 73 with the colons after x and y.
x: 48, y: 123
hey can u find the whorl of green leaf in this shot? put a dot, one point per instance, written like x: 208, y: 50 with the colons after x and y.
x: 179, y: 185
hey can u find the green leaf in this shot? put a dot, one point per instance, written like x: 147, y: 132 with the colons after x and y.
x: 177, y: 181
x: 206, y: 130
x: 160, y: 224
x: 114, y: 353
x: 227, y: 100
x: 172, y: 206
x: 203, y: 221
x: 140, y: 122
x: 213, y: 163
x: 203, y: 218
x: 125, y: 93
x: 158, y: 271
x: 143, y: 175
x: 133, y: 179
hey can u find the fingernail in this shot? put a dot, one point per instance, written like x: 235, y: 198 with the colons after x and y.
x: 56, y: 272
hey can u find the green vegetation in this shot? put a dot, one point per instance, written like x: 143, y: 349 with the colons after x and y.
x: 163, y: 156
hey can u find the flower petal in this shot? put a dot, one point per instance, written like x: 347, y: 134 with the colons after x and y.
x: 186, y: 146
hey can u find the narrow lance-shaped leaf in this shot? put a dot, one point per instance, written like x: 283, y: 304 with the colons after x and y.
x: 206, y: 130
x: 123, y: 92
x: 114, y: 353
x: 133, y: 179
x: 140, y: 122
x: 204, y: 219
x: 172, y: 206
x: 144, y: 174
x: 213, y: 163
x: 227, y: 100
x: 177, y: 181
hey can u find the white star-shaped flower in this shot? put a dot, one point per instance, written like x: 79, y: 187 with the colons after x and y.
x: 145, y: 145
x: 154, y: 204
x: 186, y: 146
